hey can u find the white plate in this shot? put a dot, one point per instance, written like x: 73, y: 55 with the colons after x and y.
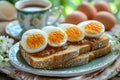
x: 99, y: 63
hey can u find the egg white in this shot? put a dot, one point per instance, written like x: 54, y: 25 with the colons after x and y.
x: 82, y: 26
x: 30, y: 32
x: 66, y: 26
x: 49, y: 29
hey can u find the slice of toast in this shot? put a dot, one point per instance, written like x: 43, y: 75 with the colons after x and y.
x: 87, y: 57
x: 58, y: 58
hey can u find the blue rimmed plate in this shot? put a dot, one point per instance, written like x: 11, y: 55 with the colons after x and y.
x: 99, y: 63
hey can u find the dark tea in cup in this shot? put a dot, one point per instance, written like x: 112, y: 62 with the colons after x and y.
x: 33, y: 7
x: 34, y: 14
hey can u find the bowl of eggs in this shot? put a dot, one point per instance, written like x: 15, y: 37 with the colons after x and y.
x: 100, y: 11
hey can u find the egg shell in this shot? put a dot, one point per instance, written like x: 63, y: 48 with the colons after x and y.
x: 7, y: 11
x: 88, y: 9
x: 75, y: 17
x: 102, y: 6
x: 106, y: 18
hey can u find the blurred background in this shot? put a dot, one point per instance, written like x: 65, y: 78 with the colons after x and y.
x: 70, y: 5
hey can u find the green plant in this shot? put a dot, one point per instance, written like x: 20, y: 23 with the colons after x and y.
x: 12, y: 1
x: 115, y: 6
x: 69, y: 5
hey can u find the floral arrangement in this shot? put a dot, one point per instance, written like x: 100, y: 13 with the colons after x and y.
x: 5, y: 44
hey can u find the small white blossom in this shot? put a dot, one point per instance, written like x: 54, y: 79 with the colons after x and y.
x: 116, y: 42
x: 1, y: 58
x: 5, y: 44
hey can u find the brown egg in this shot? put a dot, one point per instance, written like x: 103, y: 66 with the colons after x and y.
x: 102, y: 6
x: 88, y: 9
x: 75, y: 17
x: 106, y: 18
x: 7, y: 11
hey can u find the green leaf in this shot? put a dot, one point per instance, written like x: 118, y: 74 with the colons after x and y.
x: 12, y: 1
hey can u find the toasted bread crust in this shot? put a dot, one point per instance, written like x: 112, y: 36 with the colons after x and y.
x: 85, y: 58
x: 66, y: 57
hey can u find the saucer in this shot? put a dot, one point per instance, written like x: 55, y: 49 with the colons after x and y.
x: 97, y: 64
x: 14, y: 30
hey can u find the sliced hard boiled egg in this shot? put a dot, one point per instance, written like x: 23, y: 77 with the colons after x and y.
x: 73, y: 32
x: 56, y: 36
x: 34, y: 40
x: 92, y: 28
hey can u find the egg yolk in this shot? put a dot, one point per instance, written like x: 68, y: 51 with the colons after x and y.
x: 74, y: 33
x: 93, y: 28
x: 35, y: 41
x: 56, y: 37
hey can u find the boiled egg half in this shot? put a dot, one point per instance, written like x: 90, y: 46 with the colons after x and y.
x: 34, y: 40
x: 73, y: 32
x: 56, y: 36
x: 92, y: 28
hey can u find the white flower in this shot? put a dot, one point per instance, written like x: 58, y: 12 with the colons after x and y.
x: 5, y: 44
x: 1, y: 58
x: 116, y: 42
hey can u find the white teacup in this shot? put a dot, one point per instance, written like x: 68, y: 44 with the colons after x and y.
x: 34, y: 13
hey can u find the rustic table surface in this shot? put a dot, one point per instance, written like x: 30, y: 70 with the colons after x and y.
x: 6, y: 77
